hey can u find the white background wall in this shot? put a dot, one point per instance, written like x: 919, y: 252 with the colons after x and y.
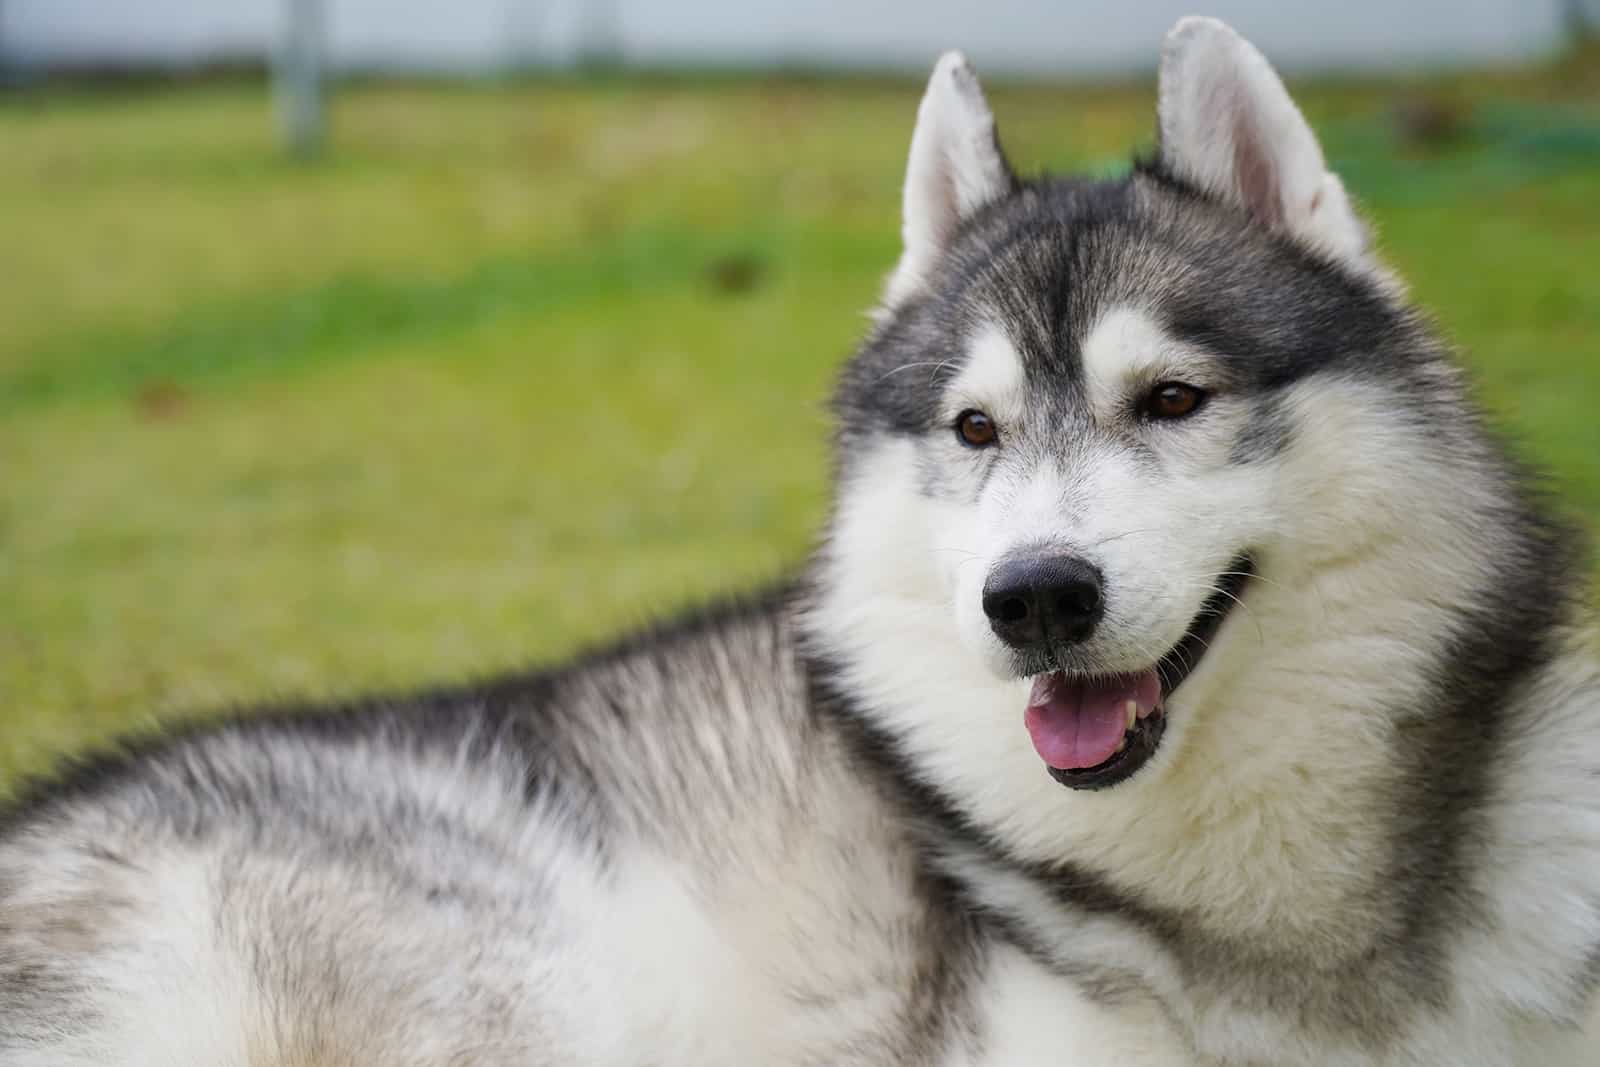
x: 1059, y: 37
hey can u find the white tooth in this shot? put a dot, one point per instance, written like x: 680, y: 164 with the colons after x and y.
x: 1133, y: 712
x: 1122, y: 744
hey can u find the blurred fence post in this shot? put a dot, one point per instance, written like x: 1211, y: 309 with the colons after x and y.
x: 1581, y: 19
x: 600, y: 34
x: 298, y: 78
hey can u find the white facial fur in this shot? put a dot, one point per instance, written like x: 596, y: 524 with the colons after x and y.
x: 1344, y: 599
x: 1157, y: 507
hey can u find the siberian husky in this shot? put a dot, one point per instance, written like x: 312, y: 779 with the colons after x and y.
x: 1186, y: 676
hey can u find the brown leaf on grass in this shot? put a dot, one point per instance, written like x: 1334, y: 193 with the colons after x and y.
x: 161, y: 399
x: 738, y: 272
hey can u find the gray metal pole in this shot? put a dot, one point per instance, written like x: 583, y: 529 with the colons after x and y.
x: 1580, y: 16
x: 600, y: 43
x: 298, y: 78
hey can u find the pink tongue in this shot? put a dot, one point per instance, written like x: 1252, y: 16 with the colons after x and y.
x: 1077, y: 723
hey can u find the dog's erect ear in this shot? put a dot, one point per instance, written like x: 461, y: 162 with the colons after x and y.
x: 1228, y: 125
x: 955, y: 168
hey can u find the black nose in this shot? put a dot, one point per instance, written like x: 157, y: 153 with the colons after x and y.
x: 1035, y: 600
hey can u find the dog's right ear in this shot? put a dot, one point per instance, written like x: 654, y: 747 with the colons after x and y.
x: 955, y: 168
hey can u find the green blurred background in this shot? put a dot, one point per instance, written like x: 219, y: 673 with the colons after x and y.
x: 517, y: 364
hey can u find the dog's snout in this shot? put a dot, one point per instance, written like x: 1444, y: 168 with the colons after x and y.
x: 1038, y: 600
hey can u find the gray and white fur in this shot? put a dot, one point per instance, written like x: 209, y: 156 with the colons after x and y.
x: 810, y: 828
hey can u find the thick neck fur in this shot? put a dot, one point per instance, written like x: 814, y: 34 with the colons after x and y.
x: 1336, y: 774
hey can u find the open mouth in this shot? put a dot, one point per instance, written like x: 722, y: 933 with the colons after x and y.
x: 1094, y: 732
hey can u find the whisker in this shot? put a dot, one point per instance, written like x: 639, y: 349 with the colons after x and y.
x: 1213, y: 588
x: 1126, y: 533
x: 937, y: 367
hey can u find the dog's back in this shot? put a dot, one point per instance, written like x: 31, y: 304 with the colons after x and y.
x: 661, y: 855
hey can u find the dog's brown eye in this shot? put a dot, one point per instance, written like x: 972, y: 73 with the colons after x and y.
x: 976, y: 429
x: 1172, y: 400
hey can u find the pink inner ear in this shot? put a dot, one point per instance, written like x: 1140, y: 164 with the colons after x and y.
x: 948, y: 209
x: 1254, y: 171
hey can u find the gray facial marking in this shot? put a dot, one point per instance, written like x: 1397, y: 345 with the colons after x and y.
x: 1265, y: 437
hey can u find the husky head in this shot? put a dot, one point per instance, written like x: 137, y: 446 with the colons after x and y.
x: 1128, y: 467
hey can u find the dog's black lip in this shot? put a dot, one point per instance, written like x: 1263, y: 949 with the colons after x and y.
x: 1172, y: 669
x: 1176, y: 666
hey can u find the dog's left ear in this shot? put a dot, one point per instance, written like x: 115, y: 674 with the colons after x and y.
x: 955, y: 168
x: 1228, y: 125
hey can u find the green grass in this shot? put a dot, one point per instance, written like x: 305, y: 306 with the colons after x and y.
x: 465, y: 395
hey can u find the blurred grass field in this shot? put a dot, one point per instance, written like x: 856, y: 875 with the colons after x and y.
x: 518, y: 365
